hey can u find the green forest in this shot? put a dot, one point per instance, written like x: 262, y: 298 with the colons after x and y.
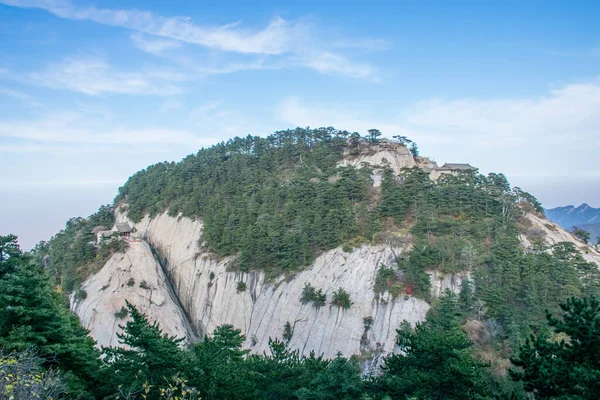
x: 525, y: 325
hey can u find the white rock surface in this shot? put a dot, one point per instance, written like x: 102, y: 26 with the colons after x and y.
x: 120, y: 280
x: 262, y: 310
x: 395, y: 154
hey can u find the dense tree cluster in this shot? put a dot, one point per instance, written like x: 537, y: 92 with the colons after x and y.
x: 276, y: 201
x: 566, y: 364
x: 34, y: 315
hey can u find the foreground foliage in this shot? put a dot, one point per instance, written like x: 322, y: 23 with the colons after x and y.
x: 566, y: 364
x: 23, y: 377
x: 435, y: 360
x: 34, y: 315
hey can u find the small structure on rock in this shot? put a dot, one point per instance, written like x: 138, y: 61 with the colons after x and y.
x: 123, y: 229
x: 450, y: 169
x: 455, y: 168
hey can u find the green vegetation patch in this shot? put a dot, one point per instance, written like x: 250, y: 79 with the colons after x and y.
x: 341, y: 299
x: 312, y: 295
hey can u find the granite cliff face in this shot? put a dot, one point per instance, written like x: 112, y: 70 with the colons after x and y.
x: 190, y: 292
x: 208, y: 294
x: 135, y: 276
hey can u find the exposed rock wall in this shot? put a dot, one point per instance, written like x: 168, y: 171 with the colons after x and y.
x: 553, y: 234
x: 396, y: 155
x: 208, y: 292
x: 135, y: 276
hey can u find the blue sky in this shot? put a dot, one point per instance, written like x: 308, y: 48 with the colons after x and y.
x: 91, y: 91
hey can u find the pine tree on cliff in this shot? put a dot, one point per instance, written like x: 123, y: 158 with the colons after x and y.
x: 33, y: 315
x: 152, y: 357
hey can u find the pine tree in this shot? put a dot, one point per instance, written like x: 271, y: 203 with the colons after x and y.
x: 151, y: 356
x: 218, y: 369
x: 339, y: 380
x: 567, y: 364
x: 34, y: 315
x: 435, y: 360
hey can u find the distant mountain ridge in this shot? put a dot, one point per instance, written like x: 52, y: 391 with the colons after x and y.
x: 584, y: 217
x: 569, y: 216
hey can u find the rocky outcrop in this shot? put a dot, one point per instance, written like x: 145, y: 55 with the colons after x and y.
x: 394, y: 155
x: 136, y: 276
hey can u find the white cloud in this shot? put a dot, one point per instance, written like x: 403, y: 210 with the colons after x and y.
x: 554, y: 134
x: 296, y: 40
x: 171, y: 103
x: 293, y: 112
x: 228, y: 122
x: 569, y: 113
x: 157, y: 47
x: 19, y: 96
x: 336, y: 64
x: 72, y: 128
x: 206, y: 110
x: 93, y: 76
x: 276, y: 38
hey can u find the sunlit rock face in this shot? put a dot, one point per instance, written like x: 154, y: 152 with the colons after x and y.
x: 210, y: 294
x: 135, y: 276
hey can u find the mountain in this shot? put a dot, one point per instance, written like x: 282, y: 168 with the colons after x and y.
x: 321, y: 237
x: 584, y: 217
x: 569, y: 216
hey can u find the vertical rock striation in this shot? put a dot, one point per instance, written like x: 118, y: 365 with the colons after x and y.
x: 135, y: 276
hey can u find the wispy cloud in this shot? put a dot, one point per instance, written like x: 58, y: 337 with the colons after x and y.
x: 278, y: 37
x: 72, y: 128
x: 94, y: 76
x: 335, y: 64
x: 24, y: 97
x: 157, y: 47
x: 205, y: 110
x: 275, y: 38
x: 297, y: 40
x: 171, y: 103
x: 228, y: 121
